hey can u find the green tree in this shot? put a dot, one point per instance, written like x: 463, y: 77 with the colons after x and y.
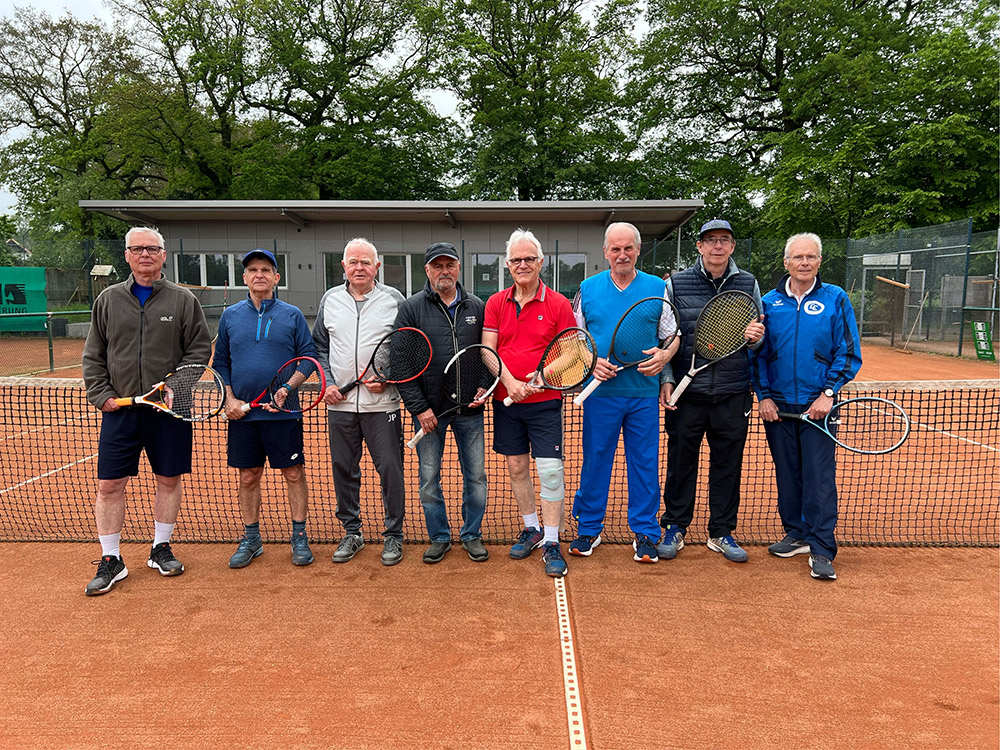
x: 539, y: 89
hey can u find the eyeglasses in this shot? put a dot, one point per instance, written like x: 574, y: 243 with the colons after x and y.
x: 717, y: 241
x: 144, y: 249
x: 515, y: 262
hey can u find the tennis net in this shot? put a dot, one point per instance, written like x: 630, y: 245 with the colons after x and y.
x: 939, y: 489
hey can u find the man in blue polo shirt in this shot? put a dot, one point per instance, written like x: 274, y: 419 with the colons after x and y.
x: 256, y: 337
x: 626, y: 403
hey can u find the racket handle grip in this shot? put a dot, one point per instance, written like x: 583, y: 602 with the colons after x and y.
x: 790, y: 415
x: 412, y: 442
x: 681, y: 387
x: 349, y: 387
x: 508, y: 401
x: 128, y: 401
x: 585, y: 393
x: 245, y: 408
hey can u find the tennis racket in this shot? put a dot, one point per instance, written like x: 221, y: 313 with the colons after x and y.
x: 568, y: 360
x: 719, y: 332
x: 868, y: 425
x: 649, y: 323
x: 469, y: 377
x: 193, y: 393
x: 297, y: 387
x: 402, y: 355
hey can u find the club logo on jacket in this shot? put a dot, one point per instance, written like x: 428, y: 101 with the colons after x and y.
x: 812, y: 307
x: 471, y: 320
x: 166, y: 318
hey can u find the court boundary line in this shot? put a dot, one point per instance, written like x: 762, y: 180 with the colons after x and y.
x: 571, y: 676
x: 47, y: 474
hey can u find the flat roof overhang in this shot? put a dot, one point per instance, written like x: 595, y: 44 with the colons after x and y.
x: 655, y: 219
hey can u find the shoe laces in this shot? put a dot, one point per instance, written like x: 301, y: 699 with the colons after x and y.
x: 588, y: 539
x: 552, y: 551
x: 526, y: 535
x: 728, y: 541
x: 161, y: 552
x: 641, y: 540
x: 300, y: 540
x: 104, y: 565
x: 393, y: 545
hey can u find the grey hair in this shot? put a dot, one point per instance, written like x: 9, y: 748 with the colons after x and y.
x: 524, y: 235
x: 150, y: 230
x: 813, y: 238
x: 623, y: 225
x: 361, y: 242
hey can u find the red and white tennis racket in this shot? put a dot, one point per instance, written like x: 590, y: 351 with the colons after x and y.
x: 297, y: 386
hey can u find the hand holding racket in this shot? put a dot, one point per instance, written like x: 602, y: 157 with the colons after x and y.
x: 568, y: 360
x: 648, y: 325
x: 298, y: 386
x: 402, y: 355
x: 719, y: 332
x: 193, y: 393
x: 469, y: 379
x: 868, y: 425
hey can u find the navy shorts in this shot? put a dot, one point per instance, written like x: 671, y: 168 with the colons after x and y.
x: 127, y: 431
x: 520, y: 428
x: 277, y: 440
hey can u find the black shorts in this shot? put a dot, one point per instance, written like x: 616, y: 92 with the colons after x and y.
x: 277, y: 440
x: 520, y: 428
x: 127, y: 431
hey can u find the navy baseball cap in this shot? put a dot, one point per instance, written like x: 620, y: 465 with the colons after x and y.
x: 260, y: 253
x: 716, y: 224
x: 438, y: 249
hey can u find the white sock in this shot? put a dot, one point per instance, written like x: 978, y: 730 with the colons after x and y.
x: 109, y: 544
x: 551, y: 535
x: 530, y: 521
x: 162, y: 532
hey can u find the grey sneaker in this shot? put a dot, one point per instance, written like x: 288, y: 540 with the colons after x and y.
x: 301, y: 554
x: 161, y: 558
x: 821, y: 567
x: 392, y: 551
x: 110, y: 570
x: 436, y: 552
x: 729, y: 548
x: 672, y: 542
x: 476, y: 549
x: 349, y: 546
x: 789, y: 547
x: 246, y: 552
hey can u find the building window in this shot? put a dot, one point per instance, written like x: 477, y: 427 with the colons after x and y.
x: 217, y: 270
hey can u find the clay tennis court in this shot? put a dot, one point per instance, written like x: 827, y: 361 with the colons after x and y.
x: 901, y: 651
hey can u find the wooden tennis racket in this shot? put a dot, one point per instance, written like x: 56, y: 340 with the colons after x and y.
x: 651, y: 323
x: 296, y: 387
x: 469, y: 378
x: 719, y: 332
x: 568, y: 360
x: 402, y: 355
x: 867, y: 424
x: 193, y: 393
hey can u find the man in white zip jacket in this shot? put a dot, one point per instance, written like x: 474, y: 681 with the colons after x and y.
x: 351, y: 320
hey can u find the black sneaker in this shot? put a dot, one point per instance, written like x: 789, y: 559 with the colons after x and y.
x: 821, y: 567
x: 161, y: 557
x: 110, y: 570
x: 476, y: 549
x: 789, y: 547
x: 436, y: 552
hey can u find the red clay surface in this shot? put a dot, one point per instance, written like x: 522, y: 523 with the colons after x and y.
x: 901, y: 652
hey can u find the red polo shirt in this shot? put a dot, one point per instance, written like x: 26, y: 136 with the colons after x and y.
x: 522, y: 336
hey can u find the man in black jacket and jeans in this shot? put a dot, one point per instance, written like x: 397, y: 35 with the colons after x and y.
x: 452, y: 320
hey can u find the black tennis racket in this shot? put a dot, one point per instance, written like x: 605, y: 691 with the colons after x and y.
x: 469, y: 378
x: 193, y: 393
x: 648, y: 324
x: 296, y: 387
x: 867, y: 424
x: 567, y: 361
x: 402, y: 355
x: 719, y: 332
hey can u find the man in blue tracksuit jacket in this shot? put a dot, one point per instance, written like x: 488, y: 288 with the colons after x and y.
x: 256, y: 337
x: 810, y: 351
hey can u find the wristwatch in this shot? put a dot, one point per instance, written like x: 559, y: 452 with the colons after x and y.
x: 828, y: 392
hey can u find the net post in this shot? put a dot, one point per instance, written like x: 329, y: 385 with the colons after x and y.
x: 48, y: 332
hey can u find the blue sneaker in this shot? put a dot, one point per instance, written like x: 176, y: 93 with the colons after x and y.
x: 301, y: 554
x: 529, y: 540
x: 729, y: 548
x: 672, y: 542
x: 555, y: 564
x: 645, y: 549
x: 584, y: 545
x: 821, y: 566
x: 246, y: 552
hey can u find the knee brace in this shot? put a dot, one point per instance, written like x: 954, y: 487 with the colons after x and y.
x: 550, y: 475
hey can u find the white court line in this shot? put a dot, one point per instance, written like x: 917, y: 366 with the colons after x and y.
x: 571, y: 681
x: 61, y: 423
x: 46, y: 474
x: 929, y: 428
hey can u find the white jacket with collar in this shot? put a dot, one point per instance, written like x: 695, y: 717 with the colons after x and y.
x: 346, y: 337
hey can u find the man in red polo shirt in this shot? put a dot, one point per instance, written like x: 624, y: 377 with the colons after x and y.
x: 519, y: 323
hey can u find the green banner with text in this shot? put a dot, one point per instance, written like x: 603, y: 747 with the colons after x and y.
x: 22, y: 290
x: 984, y: 342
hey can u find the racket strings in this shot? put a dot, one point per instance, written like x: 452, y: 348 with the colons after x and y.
x: 568, y: 360
x: 868, y: 425
x: 191, y: 398
x: 296, y: 386
x: 401, y: 356
x: 474, y: 370
x: 638, y: 331
x: 722, y: 325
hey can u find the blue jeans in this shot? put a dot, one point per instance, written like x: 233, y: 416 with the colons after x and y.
x: 468, y: 432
